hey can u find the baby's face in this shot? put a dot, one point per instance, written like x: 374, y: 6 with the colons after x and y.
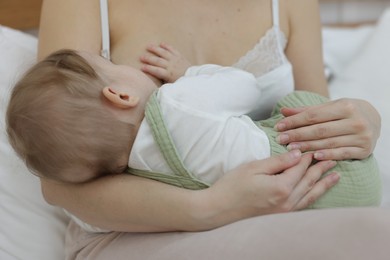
x: 120, y: 75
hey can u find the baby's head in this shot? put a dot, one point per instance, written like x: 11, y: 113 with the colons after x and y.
x: 59, y: 123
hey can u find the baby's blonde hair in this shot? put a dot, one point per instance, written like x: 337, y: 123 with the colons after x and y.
x: 57, y: 121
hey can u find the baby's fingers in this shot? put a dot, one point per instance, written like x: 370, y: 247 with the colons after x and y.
x: 153, y: 60
x: 170, y: 49
x: 163, y: 50
x: 158, y: 72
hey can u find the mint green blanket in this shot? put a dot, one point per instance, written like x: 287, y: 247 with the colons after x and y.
x: 359, y: 185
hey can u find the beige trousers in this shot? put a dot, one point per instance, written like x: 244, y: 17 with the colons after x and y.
x: 353, y: 233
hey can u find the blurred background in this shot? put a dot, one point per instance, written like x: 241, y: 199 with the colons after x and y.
x: 20, y: 14
x: 351, y: 11
x: 337, y: 12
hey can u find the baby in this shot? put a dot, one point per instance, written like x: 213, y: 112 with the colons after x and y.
x: 76, y: 116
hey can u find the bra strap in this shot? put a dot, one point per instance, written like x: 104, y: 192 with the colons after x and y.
x: 276, y: 28
x: 275, y: 12
x: 105, y: 52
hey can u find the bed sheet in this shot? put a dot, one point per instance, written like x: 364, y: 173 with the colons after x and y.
x: 31, y: 229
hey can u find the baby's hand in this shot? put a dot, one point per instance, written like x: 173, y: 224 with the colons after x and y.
x: 164, y: 62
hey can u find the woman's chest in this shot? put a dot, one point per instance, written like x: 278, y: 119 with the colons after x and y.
x: 203, y: 31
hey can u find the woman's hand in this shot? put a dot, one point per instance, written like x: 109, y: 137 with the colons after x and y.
x: 277, y: 184
x: 164, y: 62
x: 337, y: 130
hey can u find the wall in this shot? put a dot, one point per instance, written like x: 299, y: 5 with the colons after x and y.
x: 351, y: 11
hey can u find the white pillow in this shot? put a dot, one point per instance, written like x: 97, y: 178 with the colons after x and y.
x: 30, y: 228
x: 340, y: 46
x: 368, y: 77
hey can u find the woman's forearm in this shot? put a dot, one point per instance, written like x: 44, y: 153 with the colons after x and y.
x: 129, y: 203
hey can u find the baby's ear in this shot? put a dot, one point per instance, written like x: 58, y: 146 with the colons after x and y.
x: 120, y: 99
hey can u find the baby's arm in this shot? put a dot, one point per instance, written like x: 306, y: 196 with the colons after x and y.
x: 164, y: 62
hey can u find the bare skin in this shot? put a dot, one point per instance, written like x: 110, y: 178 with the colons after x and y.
x: 220, y: 33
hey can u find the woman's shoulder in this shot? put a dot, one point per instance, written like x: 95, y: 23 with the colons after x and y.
x: 300, y: 8
x: 69, y: 24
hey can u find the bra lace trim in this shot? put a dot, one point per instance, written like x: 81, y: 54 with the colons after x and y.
x: 266, y: 54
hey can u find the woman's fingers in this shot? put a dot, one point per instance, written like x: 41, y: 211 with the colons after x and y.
x: 290, y: 111
x: 342, y: 153
x: 311, y: 180
x: 319, y: 189
x: 276, y: 164
x: 309, y: 116
x: 292, y: 176
x: 341, y: 129
x: 276, y: 184
x: 319, y: 131
x: 292, y: 186
x: 328, y: 143
x: 256, y: 188
x: 340, y: 147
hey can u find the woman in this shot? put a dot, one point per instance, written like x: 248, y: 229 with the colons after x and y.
x: 211, y: 32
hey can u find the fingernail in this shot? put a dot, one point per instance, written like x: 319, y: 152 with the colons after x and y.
x: 332, y: 164
x: 335, y: 177
x: 293, y: 147
x: 280, y: 126
x: 295, y: 154
x: 282, y: 139
x: 319, y: 155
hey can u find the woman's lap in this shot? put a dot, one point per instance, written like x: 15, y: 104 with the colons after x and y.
x: 354, y: 233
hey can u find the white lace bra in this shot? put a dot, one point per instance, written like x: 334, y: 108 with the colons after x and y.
x: 265, y: 55
x: 267, y: 60
x: 271, y: 68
